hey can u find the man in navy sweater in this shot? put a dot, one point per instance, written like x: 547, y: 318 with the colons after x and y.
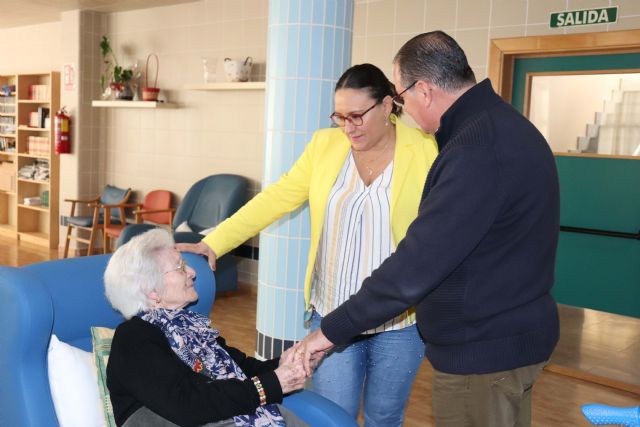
x: 478, y: 261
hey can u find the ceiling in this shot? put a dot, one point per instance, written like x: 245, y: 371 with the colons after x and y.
x: 16, y: 13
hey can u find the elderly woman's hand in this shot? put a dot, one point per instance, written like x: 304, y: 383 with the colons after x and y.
x: 290, y: 373
x: 200, y: 248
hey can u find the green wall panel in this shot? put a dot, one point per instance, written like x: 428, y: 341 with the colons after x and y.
x: 600, y: 193
x: 602, y: 273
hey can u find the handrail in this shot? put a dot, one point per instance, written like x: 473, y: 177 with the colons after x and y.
x: 597, y: 232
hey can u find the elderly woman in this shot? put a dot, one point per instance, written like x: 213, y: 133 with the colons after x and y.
x: 168, y: 366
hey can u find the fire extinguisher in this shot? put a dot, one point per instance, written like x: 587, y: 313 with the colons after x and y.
x: 63, y: 132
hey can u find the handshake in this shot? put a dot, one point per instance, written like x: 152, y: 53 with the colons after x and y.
x: 298, y: 362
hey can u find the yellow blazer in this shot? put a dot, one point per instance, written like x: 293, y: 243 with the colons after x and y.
x: 312, y: 177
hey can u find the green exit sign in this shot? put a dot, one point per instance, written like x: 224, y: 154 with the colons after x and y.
x: 572, y: 18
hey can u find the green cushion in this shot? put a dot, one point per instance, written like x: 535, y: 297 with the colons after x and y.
x: 102, y: 338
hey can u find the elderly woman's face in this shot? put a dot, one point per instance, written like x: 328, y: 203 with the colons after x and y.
x: 178, y: 278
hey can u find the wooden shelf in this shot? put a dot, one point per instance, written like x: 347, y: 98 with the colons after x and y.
x: 132, y: 104
x: 33, y: 156
x: 227, y: 86
x: 9, y: 193
x: 33, y: 181
x: 7, y: 135
x: 35, y: 224
x: 34, y: 208
x: 32, y: 129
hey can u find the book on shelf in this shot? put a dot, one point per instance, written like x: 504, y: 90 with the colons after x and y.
x: 43, y: 115
x: 39, y: 92
x: 38, y: 145
x: 39, y: 119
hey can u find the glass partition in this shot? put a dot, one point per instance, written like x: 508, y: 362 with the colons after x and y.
x: 587, y: 113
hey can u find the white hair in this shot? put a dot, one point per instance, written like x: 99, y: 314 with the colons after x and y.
x: 135, y: 270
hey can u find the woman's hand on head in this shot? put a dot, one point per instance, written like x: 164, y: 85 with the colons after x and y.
x: 200, y: 248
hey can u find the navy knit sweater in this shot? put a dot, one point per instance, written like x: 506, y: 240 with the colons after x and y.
x: 478, y: 261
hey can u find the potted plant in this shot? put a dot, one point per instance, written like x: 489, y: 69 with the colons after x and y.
x: 115, y: 79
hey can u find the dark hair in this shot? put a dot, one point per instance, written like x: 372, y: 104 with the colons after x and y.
x: 437, y: 58
x: 371, y: 78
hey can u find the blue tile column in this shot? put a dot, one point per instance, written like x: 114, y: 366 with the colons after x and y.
x: 308, y: 48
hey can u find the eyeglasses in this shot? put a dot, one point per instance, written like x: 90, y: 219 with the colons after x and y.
x: 398, y: 99
x: 182, y: 266
x: 354, y: 118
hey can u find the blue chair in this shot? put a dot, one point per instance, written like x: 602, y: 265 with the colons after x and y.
x: 600, y: 415
x: 207, y: 203
x: 65, y: 298
x: 94, y: 223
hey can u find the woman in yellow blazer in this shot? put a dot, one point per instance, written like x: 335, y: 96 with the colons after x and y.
x: 363, y: 181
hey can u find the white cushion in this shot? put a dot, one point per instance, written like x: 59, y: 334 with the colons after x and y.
x: 73, y: 385
x: 207, y: 230
x: 183, y: 227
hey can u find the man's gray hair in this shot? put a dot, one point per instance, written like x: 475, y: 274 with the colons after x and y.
x: 437, y: 58
x: 134, y: 270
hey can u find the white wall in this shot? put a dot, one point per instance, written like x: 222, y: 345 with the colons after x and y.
x: 33, y: 48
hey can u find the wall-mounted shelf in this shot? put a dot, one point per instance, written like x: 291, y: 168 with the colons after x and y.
x: 132, y: 104
x: 226, y: 86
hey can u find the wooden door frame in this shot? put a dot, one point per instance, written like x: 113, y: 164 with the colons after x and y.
x: 504, y: 52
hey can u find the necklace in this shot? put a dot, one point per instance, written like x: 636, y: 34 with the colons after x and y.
x: 371, y: 162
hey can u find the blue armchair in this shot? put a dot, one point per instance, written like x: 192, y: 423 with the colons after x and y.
x: 65, y: 298
x: 207, y: 203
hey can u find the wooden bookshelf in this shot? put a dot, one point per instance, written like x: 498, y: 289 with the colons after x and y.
x: 32, y: 223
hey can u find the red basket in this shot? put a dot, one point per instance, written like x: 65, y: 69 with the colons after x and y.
x: 151, y: 93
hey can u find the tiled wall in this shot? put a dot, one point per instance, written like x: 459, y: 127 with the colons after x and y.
x: 382, y: 26
x: 210, y: 131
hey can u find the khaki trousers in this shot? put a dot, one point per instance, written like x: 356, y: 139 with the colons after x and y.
x: 498, y: 399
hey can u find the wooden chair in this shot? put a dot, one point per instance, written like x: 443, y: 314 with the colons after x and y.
x: 94, y: 223
x: 155, y: 208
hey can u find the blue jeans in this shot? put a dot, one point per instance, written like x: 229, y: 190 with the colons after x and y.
x: 379, y: 368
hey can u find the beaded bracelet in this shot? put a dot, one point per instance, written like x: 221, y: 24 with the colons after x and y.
x: 261, y: 393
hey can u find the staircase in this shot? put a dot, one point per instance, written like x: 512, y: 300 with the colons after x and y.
x: 616, y: 129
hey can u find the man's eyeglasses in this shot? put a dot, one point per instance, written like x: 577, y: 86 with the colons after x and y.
x: 398, y: 99
x: 182, y: 266
x: 353, y: 118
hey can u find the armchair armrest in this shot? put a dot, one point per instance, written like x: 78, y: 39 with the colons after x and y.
x: 121, y: 207
x: 139, y: 212
x: 144, y: 211
x: 76, y: 201
x: 318, y: 411
x: 83, y: 201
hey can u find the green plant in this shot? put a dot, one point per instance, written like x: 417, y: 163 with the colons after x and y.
x: 121, y: 75
x: 112, y: 72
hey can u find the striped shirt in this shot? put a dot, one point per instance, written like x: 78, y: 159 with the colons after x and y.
x: 356, y: 238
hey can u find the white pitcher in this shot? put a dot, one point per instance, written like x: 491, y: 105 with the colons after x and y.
x: 238, y: 70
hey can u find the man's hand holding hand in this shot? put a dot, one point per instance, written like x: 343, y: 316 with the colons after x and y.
x: 312, y: 349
